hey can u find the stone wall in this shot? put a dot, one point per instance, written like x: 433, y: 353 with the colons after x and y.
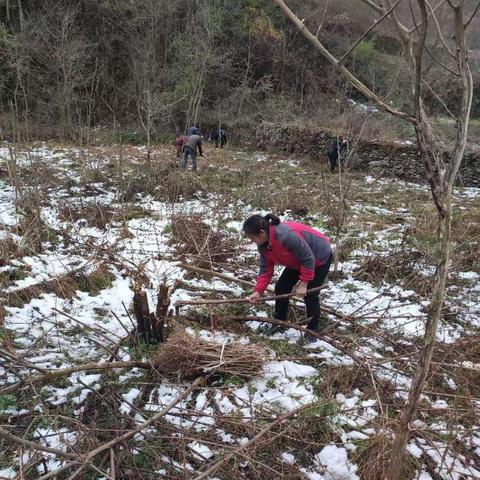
x: 392, y: 160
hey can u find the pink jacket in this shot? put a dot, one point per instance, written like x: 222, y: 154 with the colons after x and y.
x: 293, y: 245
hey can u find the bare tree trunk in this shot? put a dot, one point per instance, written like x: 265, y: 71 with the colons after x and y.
x: 20, y: 15
x: 442, y: 196
x: 433, y: 320
x: 245, y: 77
x: 7, y: 11
x: 441, y: 177
x: 142, y: 314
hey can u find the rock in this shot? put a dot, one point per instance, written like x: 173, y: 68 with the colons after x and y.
x: 378, y: 163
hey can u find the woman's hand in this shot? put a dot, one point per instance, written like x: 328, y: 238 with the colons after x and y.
x: 301, y: 290
x: 254, y: 297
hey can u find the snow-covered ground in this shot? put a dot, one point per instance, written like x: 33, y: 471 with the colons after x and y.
x: 377, y: 323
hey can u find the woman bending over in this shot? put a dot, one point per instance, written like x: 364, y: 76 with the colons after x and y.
x: 306, y: 255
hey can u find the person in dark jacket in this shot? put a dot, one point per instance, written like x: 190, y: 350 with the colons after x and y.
x: 219, y: 136
x: 336, y: 149
x: 194, y: 130
x: 306, y: 254
x: 191, y: 148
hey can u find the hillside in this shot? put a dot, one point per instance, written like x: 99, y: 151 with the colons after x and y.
x: 154, y: 67
x: 102, y: 224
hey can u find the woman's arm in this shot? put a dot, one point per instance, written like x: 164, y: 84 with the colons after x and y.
x: 265, y: 273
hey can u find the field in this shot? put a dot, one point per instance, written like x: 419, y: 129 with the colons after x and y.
x: 82, y: 395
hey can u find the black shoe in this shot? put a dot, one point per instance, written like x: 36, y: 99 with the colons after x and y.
x: 323, y: 325
x: 308, y: 338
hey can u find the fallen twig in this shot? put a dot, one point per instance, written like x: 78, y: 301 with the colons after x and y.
x: 254, y: 440
x: 315, y: 334
x: 67, y: 371
x: 213, y: 273
x: 89, y: 457
x: 35, y: 446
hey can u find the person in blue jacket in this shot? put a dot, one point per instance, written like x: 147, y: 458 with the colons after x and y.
x: 194, y: 130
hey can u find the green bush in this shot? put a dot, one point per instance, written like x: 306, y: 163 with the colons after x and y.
x: 7, y: 402
x: 364, y: 51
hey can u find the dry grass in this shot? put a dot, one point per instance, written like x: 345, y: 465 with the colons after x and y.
x: 398, y: 268
x: 64, y: 286
x: 467, y: 380
x: 95, y: 215
x: 373, y: 458
x: 192, y: 236
x: 342, y: 379
x: 164, y: 182
x: 32, y: 227
x: 8, y: 250
x: 178, y: 185
x: 184, y: 356
x: 465, y: 236
x: 39, y: 173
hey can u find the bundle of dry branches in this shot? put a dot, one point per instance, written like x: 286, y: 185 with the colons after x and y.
x: 186, y: 356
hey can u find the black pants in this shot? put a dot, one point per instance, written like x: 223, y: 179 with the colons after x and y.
x: 285, y: 284
x: 333, y: 161
x: 220, y: 141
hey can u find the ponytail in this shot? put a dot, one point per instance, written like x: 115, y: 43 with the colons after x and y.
x: 256, y: 223
x: 272, y: 218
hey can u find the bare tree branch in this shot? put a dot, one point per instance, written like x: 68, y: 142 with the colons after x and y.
x: 402, y: 30
x: 436, y: 60
x: 20, y: 361
x: 220, y: 301
x: 67, y: 371
x: 373, y: 5
x: 418, y: 55
x: 439, y: 30
x: 435, y: 8
x: 320, y: 25
x: 223, y: 461
x: 467, y: 23
x: 354, y: 81
x: 36, y: 446
x: 384, y: 16
x: 463, y: 118
x: 439, y: 99
x: 89, y: 457
x: 426, y: 141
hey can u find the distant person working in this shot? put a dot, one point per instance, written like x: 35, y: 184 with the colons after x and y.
x: 192, y: 147
x: 179, y: 143
x: 219, y: 136
x: 194, y: 130
x: 336, y: 149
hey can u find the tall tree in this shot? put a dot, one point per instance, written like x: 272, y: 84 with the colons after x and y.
x: 439, y: 173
